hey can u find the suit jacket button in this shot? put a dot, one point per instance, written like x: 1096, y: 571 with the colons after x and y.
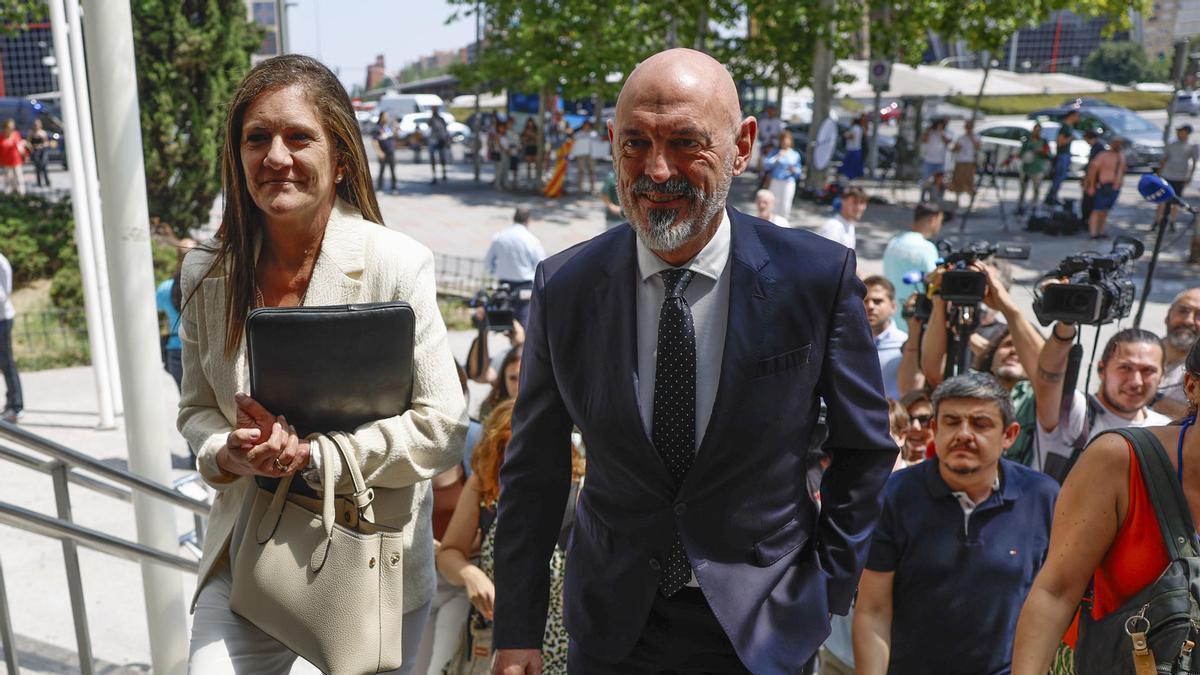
x: 655, y: 565
x: 680, y: 509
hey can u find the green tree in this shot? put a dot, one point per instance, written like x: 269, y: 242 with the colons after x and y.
x: 191, y: 55
x: 1120, y: 63
x: 15, y: 15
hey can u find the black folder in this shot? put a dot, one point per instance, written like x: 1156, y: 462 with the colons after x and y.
x: 331, y: 368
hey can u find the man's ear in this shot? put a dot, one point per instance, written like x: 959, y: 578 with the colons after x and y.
x: 747, y: 132
x: 1010, y: 434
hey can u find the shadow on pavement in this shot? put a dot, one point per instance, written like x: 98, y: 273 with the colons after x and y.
x: 35, y: 656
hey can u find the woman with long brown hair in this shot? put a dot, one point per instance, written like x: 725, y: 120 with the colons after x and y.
x: 301, y: 226
x: 472, y: 528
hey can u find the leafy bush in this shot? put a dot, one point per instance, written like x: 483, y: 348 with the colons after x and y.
x: 1120, y: 63
x: 37, y: 235
x: 33, y: 233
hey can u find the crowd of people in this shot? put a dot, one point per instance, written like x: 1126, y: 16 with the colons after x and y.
x: 745, y: 458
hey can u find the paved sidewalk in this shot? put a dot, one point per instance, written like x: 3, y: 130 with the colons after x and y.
x: 457, y: 218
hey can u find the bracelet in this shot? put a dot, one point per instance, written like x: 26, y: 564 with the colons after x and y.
x: 1054, y: 334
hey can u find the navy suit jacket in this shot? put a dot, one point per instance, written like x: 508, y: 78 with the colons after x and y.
x: 769, y: 566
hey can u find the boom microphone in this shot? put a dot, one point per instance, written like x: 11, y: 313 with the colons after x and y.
x: 1154, y: 189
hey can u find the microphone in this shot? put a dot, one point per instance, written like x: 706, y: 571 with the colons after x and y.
x: 1154, y: 189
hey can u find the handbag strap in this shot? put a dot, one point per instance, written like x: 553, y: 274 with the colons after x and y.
x: 1165, y: 492
x: 363, y: 495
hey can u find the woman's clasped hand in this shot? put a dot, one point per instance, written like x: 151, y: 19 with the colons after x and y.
x: 263, y: 444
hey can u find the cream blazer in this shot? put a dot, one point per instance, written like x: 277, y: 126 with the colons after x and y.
x: 359, y: 261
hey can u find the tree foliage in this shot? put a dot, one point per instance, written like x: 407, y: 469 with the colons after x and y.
x: 1121, y: 63
x: 570, y: 45
x: 191, y: 55
x: 15, y: 15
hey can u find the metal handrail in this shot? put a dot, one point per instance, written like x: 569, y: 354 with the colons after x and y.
x: 74, y: 458
x: 118, y: 483
x: 39, y: 523
x: 48, y: 466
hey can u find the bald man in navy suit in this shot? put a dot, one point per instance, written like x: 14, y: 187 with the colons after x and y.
x: 692, y: 349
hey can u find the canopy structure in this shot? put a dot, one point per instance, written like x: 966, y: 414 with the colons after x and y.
x: 939, y: 81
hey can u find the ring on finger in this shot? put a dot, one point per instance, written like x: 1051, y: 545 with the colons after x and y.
x: 280, y: 467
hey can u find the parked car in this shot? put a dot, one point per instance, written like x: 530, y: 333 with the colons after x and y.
x: 24, y: 111
x: 1143, y: 139
x: 1004, y: 139
x: 419, y: 123
x: 1185, y: 103
x: 890, y: 112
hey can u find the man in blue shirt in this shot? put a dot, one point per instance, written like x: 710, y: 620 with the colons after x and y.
x: 880, y: 303
x: 513, y: 258
x: 957, y: 547
x: 913, y: 250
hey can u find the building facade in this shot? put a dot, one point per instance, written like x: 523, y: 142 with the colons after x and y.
x: 27, y: 62
x: 270, y: 16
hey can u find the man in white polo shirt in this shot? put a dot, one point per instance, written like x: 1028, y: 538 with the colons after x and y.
x: 513, y: 258
x: 840, y: 228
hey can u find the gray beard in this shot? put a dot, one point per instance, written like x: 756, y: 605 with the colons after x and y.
x: 660, y: 233
x: 1180, y: 339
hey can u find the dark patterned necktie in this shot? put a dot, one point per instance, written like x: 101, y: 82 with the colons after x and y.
x: 673, y: 424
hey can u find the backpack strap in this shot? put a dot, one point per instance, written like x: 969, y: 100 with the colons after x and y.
x: 1165, y: 492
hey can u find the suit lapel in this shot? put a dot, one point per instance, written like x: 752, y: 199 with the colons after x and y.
x: 751, y: 302
x: 616, y: 297
x: 335, y: 276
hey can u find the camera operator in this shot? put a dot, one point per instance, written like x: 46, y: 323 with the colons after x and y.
x: 1183, y: 327
x: 481, y: 366
x: 513, y: 257
x: 1129, y: 371
x: 1010, y: 354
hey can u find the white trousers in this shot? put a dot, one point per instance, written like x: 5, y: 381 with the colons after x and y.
x: 444, y: 629
x: 13, y: 179
x: 784, y: 191
x: 224, y: 643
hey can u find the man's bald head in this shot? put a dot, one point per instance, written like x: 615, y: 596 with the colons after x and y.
x: 678, y: 139
x: 683, y: 76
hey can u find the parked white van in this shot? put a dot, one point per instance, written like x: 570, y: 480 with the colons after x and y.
x: 399, y: 105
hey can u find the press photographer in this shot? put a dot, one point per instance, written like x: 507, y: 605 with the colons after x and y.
x: 1009, y: 356
x: 960, y: 284
x: 1092, y: 289
x: 494, y: 313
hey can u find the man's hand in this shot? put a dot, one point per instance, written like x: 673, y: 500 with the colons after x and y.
x: 997, y: 296
x: 516, y: 336
x: 517, y: 662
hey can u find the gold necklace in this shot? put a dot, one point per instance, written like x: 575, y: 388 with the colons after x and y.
x: 260, y: 302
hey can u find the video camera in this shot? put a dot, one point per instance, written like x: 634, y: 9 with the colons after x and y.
x: 963, y: 285
x: 497, y: 304
x: 1098, y: 290
x: 922, y: 307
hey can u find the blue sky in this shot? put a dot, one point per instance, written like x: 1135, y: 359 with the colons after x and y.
x: 347, y: 34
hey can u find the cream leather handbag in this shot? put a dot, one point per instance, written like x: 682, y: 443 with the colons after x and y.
x: 331, y: 592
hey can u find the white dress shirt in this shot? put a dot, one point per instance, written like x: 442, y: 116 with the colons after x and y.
x: 708, y: 296
x: 514, y: 254
x: 840, y: 230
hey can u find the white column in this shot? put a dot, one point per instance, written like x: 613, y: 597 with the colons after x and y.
x: 101, y: 366
x: 87, y: 143
x: 111, y: 69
